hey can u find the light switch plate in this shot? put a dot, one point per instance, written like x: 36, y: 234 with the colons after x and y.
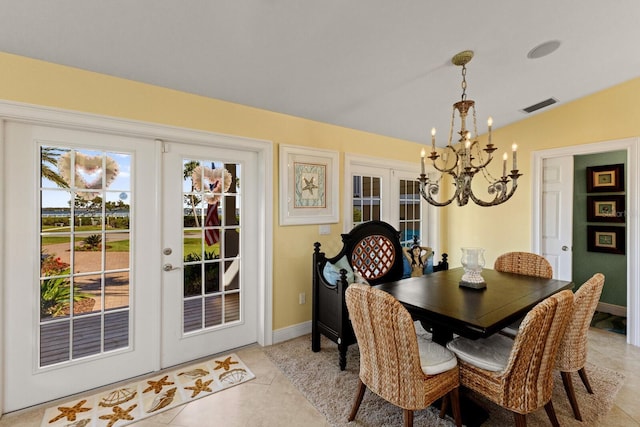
x: 325, y: 229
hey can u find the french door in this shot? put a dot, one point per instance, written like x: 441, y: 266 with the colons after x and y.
x: 116, y: 262
x: 209, y: 251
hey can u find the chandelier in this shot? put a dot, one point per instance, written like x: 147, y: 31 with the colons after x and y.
x: 464, y: 162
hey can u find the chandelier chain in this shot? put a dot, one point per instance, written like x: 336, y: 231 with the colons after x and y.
x: 464, y: 82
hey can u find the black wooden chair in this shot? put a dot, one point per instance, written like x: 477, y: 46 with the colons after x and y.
x: 371, y: 251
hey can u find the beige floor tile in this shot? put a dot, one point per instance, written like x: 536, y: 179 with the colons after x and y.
x: 270, y: 400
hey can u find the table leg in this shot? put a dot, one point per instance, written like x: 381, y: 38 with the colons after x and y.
x: 441, y: 335
x: 473, y: 414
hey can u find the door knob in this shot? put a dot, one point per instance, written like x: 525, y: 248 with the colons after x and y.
x: 565, y: 248
x: 169, y: 267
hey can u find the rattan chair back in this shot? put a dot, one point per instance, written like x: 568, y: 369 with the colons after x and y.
x: 389, y: 357
x: 525, y: 263
x: 572, y: 354
x: 526, y: 383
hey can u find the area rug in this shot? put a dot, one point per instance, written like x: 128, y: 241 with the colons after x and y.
x: 141, y: 399
x: 331, y: 391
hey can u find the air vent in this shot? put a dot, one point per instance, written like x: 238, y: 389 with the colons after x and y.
x: 539, y: 105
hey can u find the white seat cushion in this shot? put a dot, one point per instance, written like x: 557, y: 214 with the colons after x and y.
x: 434, y: 358
x: 512, y: 329
x: 490, y: 353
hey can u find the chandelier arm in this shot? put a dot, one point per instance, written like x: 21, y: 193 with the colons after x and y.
x: 501, y: 195
x: 427, y: 188
x: 444, y: 169
x: 482, y: 165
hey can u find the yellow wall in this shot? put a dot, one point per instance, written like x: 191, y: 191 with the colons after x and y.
x: 607, y: 115
x: 41, y: 83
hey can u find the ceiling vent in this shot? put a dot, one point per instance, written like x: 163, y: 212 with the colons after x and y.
x: 539, y: 105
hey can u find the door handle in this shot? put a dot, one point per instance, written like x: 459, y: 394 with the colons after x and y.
x: 169, y: 267
x: 565, y: 248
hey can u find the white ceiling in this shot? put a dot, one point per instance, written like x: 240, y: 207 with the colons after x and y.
x: 381, y: 66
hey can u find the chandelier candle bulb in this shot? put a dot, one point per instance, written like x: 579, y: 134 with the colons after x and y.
x: 422, y: 153
x: 490, y: 123
x: 514, y: 147
x: 433, y: 140
x: 467, y: 145
x: 504, y: 165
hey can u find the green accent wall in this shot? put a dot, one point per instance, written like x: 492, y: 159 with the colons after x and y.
x: 585, y: 263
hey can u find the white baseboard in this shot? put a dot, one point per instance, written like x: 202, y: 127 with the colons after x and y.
x: 291, y: 332
x: 616, y: 310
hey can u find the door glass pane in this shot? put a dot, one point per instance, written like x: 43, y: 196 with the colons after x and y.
x: 409, y: 209
x: 366, y: 199
x: 211, y: 238
x: 85, y: 200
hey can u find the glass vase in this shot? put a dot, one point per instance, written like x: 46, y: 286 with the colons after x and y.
x: 472, y: 263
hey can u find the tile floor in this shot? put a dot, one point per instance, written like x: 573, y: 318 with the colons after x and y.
x: 271, y: 400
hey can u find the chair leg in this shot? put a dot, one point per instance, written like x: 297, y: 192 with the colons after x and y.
x: 568, y: 387
x: 585, y: 380
x: 408, y: 418
x: 551, y: 413
x: 455, y: 406
x: 520, y: 419
x: 358, y: 400
x: 444, y: 403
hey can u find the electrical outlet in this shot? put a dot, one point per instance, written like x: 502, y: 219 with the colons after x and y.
x: 324, y: 229
x: 302, y: 298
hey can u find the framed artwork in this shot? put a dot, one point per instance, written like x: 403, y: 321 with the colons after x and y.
x: 606, y: 208
x: 308, y: 185
x: 606, y: 239
x: 608, y: 178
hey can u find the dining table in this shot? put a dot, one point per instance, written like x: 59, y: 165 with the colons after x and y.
x: 446, y: 307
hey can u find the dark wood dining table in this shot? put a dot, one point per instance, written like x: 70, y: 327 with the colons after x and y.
x: 439, y: 302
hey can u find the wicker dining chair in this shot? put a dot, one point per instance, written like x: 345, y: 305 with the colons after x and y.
x: 572, y: 354
x: 517, y: 374
x: 527, y: 264
x: 394, y: 363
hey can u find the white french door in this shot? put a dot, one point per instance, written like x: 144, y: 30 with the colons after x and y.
x: 209, y: 251
x: 115, y: 262
x: 81, y: 297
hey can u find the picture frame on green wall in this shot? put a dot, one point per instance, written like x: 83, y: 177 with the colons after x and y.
x: 606, y: 208
x: 607, y: 239
x: 606, y: 178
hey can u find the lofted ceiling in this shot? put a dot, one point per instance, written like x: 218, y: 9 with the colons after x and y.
x: 380, y: 66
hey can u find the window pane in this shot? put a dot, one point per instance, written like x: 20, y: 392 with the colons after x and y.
x: 84, y: 216
x: 409, y: 210
x: 212, y: 224
x: 116, y: 290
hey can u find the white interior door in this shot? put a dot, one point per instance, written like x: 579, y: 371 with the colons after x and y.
x: 210, y: 258
x: 81, y: 301
x: 557, y: 211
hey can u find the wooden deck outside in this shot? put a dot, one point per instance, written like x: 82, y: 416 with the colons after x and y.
x: 59, y: 343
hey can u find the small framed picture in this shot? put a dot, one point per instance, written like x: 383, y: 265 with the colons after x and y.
x: 608, y: 178
x: 606, y: 208
x: 606, y: 239
x: 308, y: 185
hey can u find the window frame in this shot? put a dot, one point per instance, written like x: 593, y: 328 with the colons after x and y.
x: 390, y: 172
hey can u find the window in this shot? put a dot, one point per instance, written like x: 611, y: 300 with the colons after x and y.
x: 85, y: 286
x: 366, y: 198
x: 410, y: 212
x: 388, y: 191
